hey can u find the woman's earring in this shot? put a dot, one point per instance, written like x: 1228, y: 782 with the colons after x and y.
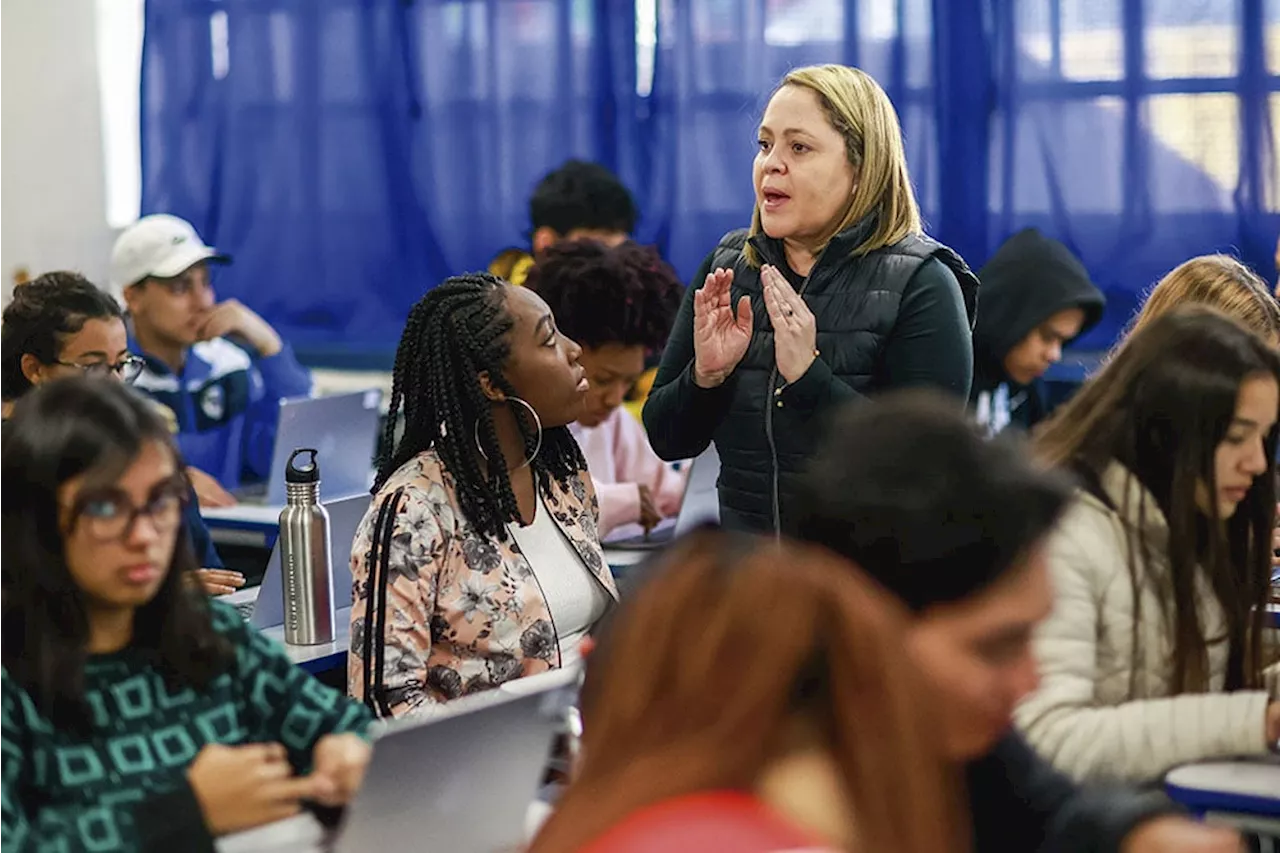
x: 537, y: 425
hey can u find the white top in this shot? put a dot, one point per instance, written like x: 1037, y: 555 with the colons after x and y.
x: 575, y: 598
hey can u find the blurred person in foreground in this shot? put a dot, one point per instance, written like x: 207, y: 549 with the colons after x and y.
x: 955, y: 526
x: 708, y: 727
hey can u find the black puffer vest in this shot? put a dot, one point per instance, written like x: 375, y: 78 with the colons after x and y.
x: 764, y: 448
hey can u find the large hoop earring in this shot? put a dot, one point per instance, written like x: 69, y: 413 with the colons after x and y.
x: 537, y: 423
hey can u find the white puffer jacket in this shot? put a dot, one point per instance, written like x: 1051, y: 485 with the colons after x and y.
x: 1089, y: 717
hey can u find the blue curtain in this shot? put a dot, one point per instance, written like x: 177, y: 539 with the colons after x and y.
x: 716, y: 63
x: 350, y: 154
x: 1139, y: 132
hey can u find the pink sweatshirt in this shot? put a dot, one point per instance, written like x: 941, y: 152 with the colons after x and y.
x: 619, y: 459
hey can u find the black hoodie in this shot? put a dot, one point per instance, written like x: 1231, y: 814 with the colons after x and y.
x: 1028, y: 280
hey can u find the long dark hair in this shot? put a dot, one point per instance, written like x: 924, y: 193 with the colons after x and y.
x: 75, y: 427
x: 42, y: 313
x: 455, y: 332
x: 692, y: 688
x: 1160, y: 408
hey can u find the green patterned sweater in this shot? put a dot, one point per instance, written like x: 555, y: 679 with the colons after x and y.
x: 125, y: 787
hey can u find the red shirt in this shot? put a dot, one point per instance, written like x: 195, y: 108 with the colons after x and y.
x: 724, y: 821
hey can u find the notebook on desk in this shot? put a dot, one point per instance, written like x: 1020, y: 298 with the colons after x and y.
x: 701, y: 504
x: 343, y: 428
x: 263, y: 605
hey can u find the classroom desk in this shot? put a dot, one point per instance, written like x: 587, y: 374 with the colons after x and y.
x: 1243, y: 793
x: 304, y: 834
x: 322, y: 657
x: 243, y: 524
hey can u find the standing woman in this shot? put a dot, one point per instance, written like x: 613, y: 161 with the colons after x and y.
x: 61, y: 324
x: 478, y: 561
x: 832, y: 295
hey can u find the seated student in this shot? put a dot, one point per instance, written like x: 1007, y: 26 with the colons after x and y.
x: 137, y: 714
x: 1219, y: 282
x: 1153, y: 654
x: 218, y: 366
x: 577, y: 201
x: 1036, y: 298
x: 478, y: 561
x: 618, y: 303
x: 61, y: 325
x: 703, y: 720
x: 955, y: 526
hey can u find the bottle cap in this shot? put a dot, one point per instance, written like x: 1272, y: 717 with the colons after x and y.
x: 307, y: 473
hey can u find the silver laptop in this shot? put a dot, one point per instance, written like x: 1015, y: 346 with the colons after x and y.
x: 420, y: 791
x: 701, y: 505
x: 263, y: 605
x: 343, y: 428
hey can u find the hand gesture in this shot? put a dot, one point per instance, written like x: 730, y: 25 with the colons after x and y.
x: 795, y: 332
x: 235, y: 318
x: 649, y: 515
x: 341, y: 761
x: 720, y: 335
x: 240, y: 787
x: 217, y: 581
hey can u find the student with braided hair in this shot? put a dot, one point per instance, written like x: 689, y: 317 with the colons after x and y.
x: 479, y: 560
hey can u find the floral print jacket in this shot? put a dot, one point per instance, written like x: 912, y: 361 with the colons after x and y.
x: 463, y: 611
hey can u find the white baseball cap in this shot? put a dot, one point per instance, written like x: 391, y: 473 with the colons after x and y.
x: 159, y: 246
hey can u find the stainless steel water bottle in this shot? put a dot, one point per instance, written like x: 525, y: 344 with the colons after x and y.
x: 305, y: 556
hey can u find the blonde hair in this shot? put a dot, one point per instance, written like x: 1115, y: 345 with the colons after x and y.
x: 862, y: 113
x: 1220, y: 282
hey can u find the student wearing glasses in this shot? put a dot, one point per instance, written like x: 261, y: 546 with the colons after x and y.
x: 138, y: 715
x: 62, y: 325
x: 218, y: 366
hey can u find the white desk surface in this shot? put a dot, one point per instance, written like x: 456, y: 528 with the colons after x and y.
x: 303, y: 834
x: 620, y: 557
x: 243, y: 513
x: 1256, y: 778
x: 305, y: 654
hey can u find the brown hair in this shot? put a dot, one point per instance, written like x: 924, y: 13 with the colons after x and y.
x: 1160, y: 408
x: 860, y: 110
x: 706, y: 666
x: 1218, y: 281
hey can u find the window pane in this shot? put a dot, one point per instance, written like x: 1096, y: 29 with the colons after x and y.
x: 793, y: 22
x: 1085, y: 43
x: 119, y: 25
x: 1271, y: 167
x: 1192, y: 38
x: 1271, y: 14
x: 1072, y: 151
x: 1194, y: 152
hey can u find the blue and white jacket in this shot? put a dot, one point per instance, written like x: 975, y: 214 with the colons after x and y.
x: 226, y: 402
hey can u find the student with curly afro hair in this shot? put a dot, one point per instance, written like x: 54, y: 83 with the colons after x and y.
x: 619, y: 304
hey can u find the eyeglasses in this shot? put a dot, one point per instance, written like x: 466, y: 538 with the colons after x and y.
x: 109, y: 514
x: 127, y: 369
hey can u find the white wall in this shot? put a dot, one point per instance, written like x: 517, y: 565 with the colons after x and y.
x: 52, y: 191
